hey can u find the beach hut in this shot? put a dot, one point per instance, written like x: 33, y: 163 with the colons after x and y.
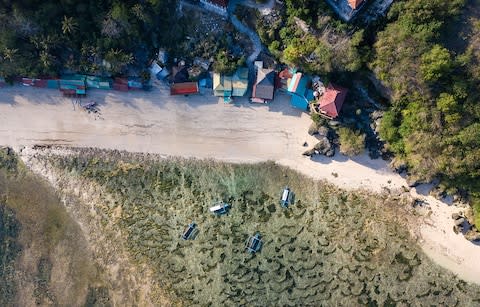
x: 331, y: 102
x: 240, y: 82
x: 220, y: 208
x: 135, y: 83
x: 287, y: 197
x: 264, y: 86
x: 28, y: 81
x: 73, y: 85
x: 190, y: 231
x: 120, y: 84
x: 53, y: 83
x: 98, y: 82
x: 184, y: 88
x: 297, y: 88
x: 253, y: 244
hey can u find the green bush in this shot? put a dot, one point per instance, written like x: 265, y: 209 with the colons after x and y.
x: 352, y: 143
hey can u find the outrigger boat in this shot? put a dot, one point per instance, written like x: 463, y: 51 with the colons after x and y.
x: 190, y: 231
x: 253, y: 244
x: 220, y: 208
x: 287, y: 197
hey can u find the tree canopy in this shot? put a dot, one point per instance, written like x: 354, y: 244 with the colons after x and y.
x: 100, y: 37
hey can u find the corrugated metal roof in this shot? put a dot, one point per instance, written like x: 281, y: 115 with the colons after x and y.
x: 240, y: 79
x: 264, y: 87
x: 184, y: 88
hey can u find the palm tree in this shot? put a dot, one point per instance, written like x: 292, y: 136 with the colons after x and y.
x: 9, y: 54
x: 118, y: 59
x: 69, y: 25
x: 46, y: 59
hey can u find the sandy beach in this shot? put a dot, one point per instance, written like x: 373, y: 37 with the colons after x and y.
x: 202, y: 126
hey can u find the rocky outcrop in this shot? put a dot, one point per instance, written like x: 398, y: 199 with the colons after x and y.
x: 313, y: 129
x: 473, y: 235
x: 325, y: 147
x: 323, y: 131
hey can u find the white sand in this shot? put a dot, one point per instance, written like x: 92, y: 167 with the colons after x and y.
x: 202, y: 126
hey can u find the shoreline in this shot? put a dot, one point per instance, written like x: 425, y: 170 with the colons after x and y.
x: 203, y: 127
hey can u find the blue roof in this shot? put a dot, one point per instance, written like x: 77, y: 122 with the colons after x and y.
x: 299, y: 102
x: 302, y: 85
x: 298, y: 84
x: 309, y: 95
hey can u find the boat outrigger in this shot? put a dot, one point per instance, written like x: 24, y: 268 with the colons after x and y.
x: 253, y: 244
x: 190, y: 232
x: 287, y: 197
x: 220, y: 208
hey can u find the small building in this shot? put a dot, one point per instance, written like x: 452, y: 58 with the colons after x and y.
x: 231, y: 86
x: 264, y: 86
x: 120, y: 84
x: 98, y: 82
x: 162, y: 56
x: 155, y: 68
x: 135, y: 83
x: 73, y: 85
x: 301, y: 95
x: 346, y: 9
x: 219, y: 6
x: 184, y: 88
x: 331, y: 102
x: 240, y: 82
x: 222, y: 86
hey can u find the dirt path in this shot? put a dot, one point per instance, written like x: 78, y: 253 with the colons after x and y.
x: 256, y: 42
x: 201, y: 126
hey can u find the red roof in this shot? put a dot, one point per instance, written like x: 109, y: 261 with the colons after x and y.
x: 285, y: 74
x: 184, y: 88
x: 354, y: 4
x: 332, y: 100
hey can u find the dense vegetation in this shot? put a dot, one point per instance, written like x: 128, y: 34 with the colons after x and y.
x: 307, y: 35
x: 96, y: 37
x: 432, y: 125
x: 331, y: 247
x: 426, y: 52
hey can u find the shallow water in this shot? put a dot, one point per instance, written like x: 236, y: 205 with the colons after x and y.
x: 329, y: 248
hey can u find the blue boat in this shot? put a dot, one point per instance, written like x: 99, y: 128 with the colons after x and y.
x: 287, y: 197
x: 190, y: 231
x: 253, y: 244
x: 220, y: 208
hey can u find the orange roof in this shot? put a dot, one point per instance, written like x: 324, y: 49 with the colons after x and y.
x: 354, y: 4
x: 332, y: 100
x: 184, y: 88
x: 285, y: 74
